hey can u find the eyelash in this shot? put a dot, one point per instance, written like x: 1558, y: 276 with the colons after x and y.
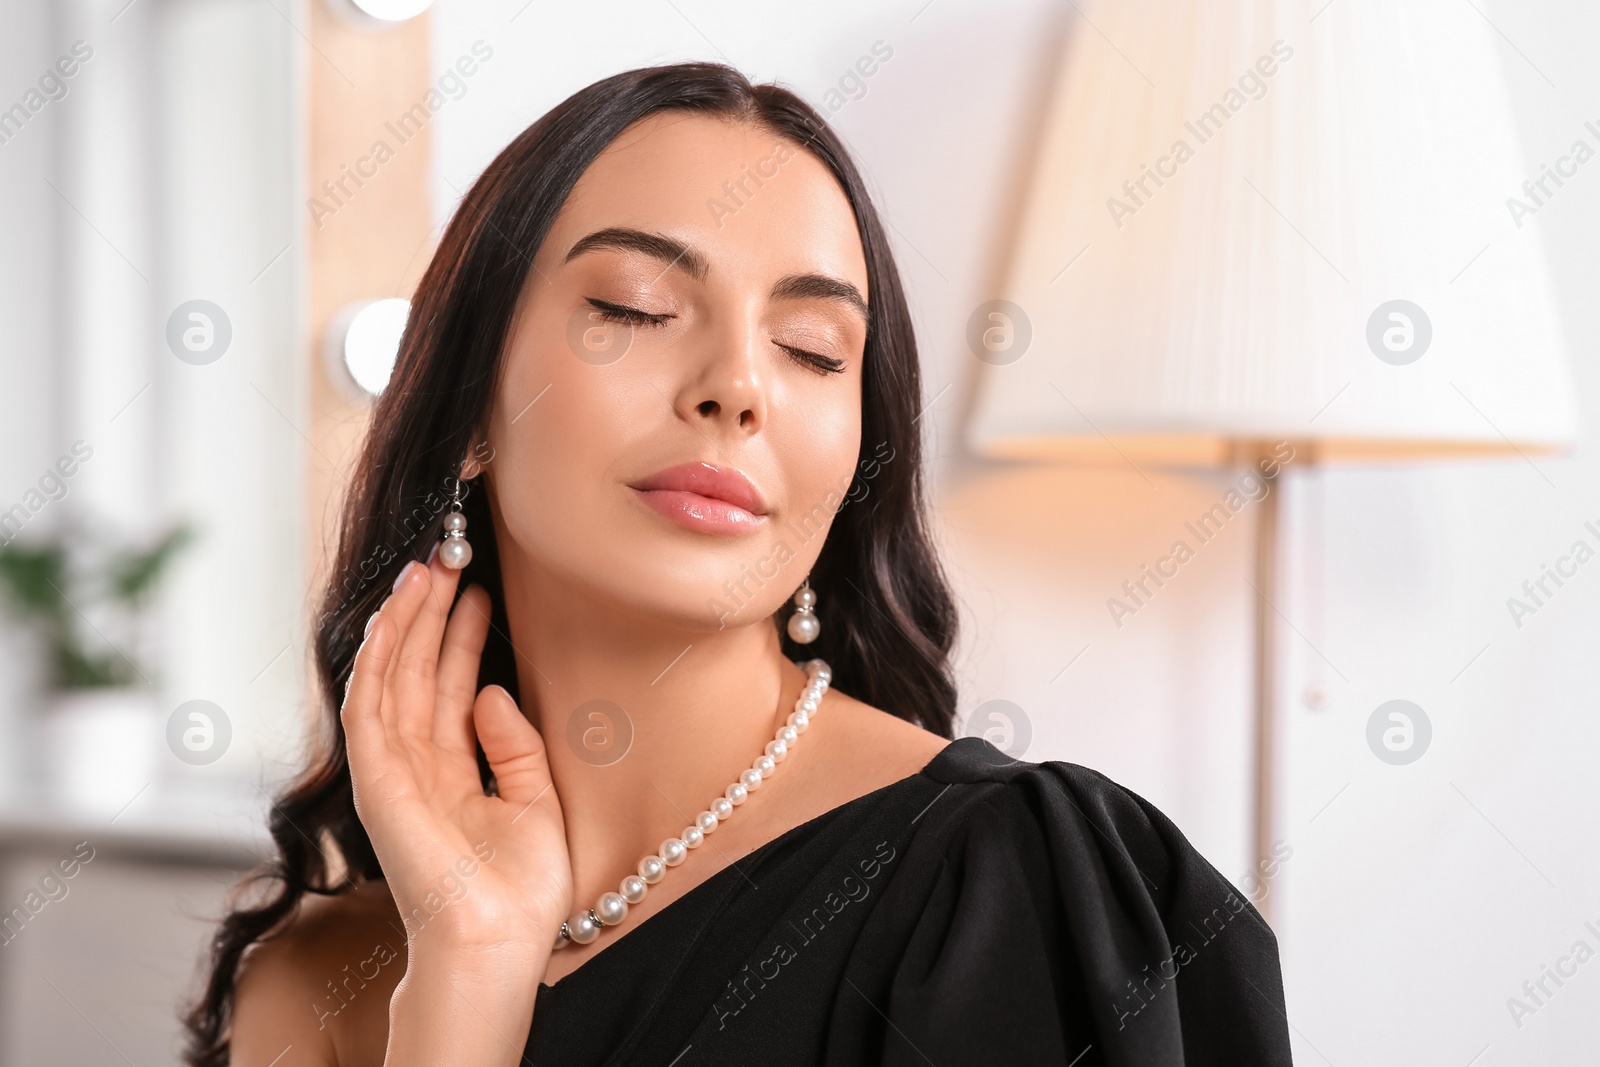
x: 816, y: 360
x: 621, y: 313
x: 634, y: 317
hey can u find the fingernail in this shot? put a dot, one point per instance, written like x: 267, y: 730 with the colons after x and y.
x: 370, y: 622
x: 404, y: 572
x: 434, y: 551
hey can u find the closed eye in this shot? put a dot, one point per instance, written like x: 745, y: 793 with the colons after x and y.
x: 610, y: 312
x: 816, y: 360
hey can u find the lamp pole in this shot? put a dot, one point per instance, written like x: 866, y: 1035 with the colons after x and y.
x: 1262, y: 458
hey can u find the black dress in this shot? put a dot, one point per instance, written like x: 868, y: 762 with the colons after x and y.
x: 984, y: 911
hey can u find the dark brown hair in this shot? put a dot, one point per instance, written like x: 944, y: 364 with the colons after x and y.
x: 890, y: 622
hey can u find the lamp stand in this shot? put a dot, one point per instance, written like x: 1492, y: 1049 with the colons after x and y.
x: 1264, y: 801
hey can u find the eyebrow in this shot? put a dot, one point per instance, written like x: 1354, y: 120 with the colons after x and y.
x: 675, y: 253
x: 812, y: 286
x: 672, y: 252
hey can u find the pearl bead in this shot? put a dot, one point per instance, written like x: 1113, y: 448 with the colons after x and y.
x: 788, y: 735
x: 799, y: 720
x: 806, y: 598
x: 706, y: 820
x: 764, y: 765
x: 809, y: 706
x: 692, y: 836
x: 803, y: 627
x: 582, y: 928
x: 611, y: 909
x: 455, y: 553
x: 777, y: 750
x: 751, y: 780
x: 455, y: 521
x: 737, y: 793
x: 633, y: 889
x: 651, y: 869
x: 674, y: 851
x: 722, y: 808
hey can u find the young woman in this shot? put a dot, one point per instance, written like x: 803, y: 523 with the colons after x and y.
x: 652, y: 433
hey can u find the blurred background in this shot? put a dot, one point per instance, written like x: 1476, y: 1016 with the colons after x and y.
x: 1304, y: 288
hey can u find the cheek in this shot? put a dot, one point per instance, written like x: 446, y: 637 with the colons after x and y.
x: 560, y: 428
x: 817, y: 443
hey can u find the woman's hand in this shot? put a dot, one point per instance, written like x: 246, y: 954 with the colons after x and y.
x: 482, y: 883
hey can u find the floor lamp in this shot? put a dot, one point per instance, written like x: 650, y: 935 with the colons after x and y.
x: 1244, y: 225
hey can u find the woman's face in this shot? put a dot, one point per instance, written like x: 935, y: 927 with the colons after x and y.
x: 680, y: 410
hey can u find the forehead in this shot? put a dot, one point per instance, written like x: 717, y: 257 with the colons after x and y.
x: 747, y: 197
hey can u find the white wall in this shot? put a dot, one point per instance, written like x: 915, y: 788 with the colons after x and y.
x: 1422, y: 896
x: 1425, y: 895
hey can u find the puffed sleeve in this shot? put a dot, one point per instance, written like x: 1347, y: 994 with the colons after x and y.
x: 1052, y: 916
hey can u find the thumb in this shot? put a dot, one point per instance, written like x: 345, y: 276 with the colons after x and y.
x: 514, y: 748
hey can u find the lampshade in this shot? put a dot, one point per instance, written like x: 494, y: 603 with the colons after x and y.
x: 1247, y: 224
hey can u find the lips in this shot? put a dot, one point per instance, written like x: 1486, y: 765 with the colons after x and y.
x: 704, y: 497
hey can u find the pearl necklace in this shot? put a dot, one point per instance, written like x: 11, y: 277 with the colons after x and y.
x: 612, y: 908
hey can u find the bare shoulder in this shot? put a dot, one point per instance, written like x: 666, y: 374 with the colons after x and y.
x: 872, y: 748
x: 850, y: 749
x: 322, y: 984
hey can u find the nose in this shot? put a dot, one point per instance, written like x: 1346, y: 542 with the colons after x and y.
x: 726, y: 393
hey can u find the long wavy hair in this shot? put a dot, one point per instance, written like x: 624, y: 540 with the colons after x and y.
x: 890, y: 618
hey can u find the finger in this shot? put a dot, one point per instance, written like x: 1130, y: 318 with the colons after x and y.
x: 366, y: 734
x: 516, y: 751
x: 401, y: 608
x: 419, y: 654
x: 458, y: 672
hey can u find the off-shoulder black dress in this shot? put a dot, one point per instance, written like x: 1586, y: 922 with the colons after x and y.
x: 983, y: 911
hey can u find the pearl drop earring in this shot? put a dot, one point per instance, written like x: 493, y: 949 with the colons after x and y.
x: 803, y: 624
x: 455, y: 552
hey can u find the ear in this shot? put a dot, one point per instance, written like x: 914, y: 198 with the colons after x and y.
x: 478, y: 457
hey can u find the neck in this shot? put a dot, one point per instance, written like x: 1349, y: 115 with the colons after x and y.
x: 699, y: 707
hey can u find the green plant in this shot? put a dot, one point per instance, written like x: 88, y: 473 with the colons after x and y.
x: 37, y: 579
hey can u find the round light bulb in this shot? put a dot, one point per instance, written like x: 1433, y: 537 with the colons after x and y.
x: 392, y: 10
x: 371, y: 341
